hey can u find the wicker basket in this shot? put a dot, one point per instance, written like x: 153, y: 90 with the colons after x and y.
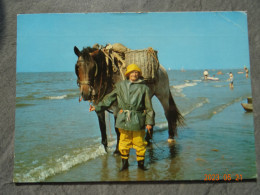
x: 146, y: 60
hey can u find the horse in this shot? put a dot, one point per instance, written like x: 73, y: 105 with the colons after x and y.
x: 96, y: 77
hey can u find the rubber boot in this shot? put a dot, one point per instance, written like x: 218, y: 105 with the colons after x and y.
x: 141, y: 165
x: 124, y: 164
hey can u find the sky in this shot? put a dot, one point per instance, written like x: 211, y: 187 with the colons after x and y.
x: 184, y: 40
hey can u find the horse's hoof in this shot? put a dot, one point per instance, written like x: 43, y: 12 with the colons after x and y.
x: 171, y: 140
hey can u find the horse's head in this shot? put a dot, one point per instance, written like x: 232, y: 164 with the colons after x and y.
x: 86, y: 70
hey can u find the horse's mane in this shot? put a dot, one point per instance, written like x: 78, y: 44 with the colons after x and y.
x: 85, y: 52
x: 103, y: 79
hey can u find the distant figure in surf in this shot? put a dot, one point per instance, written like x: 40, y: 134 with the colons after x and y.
x: 247, y: 71
x: 206, y: 74
x: 231, y: 79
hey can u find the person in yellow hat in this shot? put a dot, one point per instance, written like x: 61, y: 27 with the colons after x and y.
x: 136, y: 113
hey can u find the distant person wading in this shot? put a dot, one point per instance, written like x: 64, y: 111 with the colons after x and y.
x: 136, y: 113
x: 247, y: 71
x: 231, y: 79
x: 206, y: 74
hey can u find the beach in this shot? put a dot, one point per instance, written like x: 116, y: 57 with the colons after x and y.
x: 58, y: 140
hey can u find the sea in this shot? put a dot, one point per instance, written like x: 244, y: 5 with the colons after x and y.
x: 57, y: 139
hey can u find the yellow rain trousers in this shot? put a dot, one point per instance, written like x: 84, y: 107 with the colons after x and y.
x: 132, y: 139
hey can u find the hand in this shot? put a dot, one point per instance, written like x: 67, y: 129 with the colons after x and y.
x: 91, y: 108
x: 149, y: 128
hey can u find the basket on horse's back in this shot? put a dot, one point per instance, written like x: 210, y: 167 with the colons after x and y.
x: 146, y: 60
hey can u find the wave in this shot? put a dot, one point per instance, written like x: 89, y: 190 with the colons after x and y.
x: 184, y: 85
x: 68, y: 90
x: 217, y: 109
x: 177, y: 89
x: 196, y: 105
x: 59, y: 97
x: 56, y: 97
x: 219, y: 86
x: 55, y: 166
x: 36, y: 96
x: 220, y: 108
x: 30, y: 96
x: 190, y: 108
x: 23, y: 105
x: 31, y: 83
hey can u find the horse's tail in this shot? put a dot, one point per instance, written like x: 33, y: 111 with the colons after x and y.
x: 176, y: 117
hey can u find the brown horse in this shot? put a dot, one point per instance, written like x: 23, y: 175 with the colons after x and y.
x: 96, y: 78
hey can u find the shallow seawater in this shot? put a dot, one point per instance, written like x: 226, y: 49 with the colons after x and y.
x: 58, y: 140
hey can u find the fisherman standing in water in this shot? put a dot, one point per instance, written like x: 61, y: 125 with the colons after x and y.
x: 136, y: 113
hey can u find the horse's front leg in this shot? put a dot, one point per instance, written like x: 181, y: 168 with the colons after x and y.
x: 102, y: 125
x: 115, y: 111
x: 149, y: 136
x: 117, y: 152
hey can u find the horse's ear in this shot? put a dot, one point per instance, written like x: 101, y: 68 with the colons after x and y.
x: 94, y: 53
x: 76, y: 51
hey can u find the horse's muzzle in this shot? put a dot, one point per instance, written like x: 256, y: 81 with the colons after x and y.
x: 85, y: 93
x: 86, y: 97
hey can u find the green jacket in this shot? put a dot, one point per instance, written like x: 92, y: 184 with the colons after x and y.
x: 134, y: 103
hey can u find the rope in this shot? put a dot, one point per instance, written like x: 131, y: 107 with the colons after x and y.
x: 152, y: 52
x: 152, y: 141
x: 160, y: 148
x: 113, y: 64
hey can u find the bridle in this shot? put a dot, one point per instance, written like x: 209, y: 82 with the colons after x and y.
x: 88, y: 82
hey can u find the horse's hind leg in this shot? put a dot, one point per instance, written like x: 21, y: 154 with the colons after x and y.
x: 171, y: 112
x: 102, y: 125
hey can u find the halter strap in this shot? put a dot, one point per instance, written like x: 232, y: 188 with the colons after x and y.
x: 87, y: 82
x: 83, y: 82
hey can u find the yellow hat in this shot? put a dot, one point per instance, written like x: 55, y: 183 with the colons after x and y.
x: 132, y: 67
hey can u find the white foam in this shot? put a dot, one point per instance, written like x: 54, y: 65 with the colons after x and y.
x: 64, y: 163
x: 184, y: 85
x: 161, y: 126
x: 57, y: 97
x: 35, y: 162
